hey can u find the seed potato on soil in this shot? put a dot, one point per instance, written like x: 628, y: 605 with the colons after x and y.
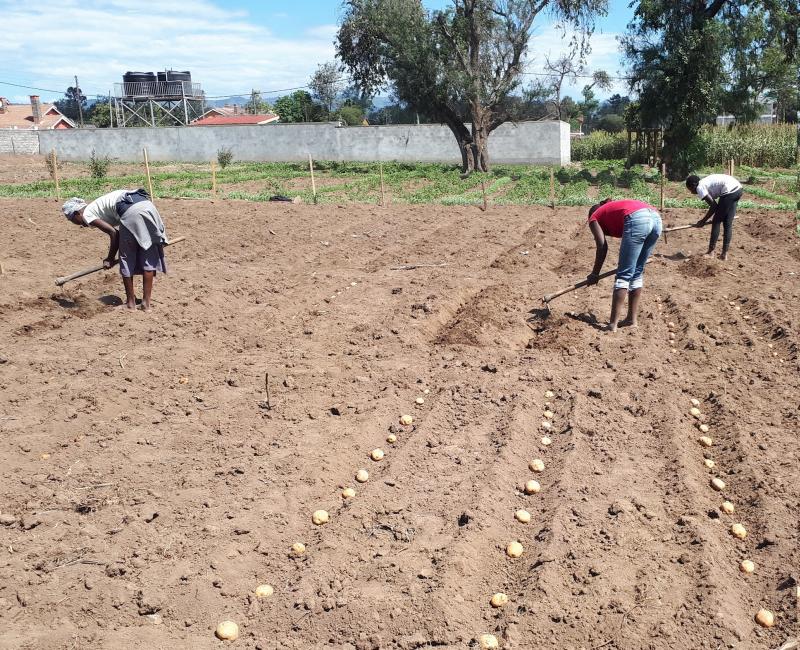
x: 499, y: 600
x: 227, y: 631
x: 536, y: 465
x: 532, y: 487
x: 522, y: 516
x: 233, y: 484
x: 514, y: 549
x: 488, y: 642
x: 765, y: 618
x: 739, y: 531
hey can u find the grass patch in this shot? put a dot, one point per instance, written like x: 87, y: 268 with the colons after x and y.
x: 578, y: 184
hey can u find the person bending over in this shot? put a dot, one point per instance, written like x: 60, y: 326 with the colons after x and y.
x: 722, y: 193
x: 135, y: 230
x: 638, y: 224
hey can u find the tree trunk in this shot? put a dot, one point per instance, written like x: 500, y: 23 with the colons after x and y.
x: 465, y: 144
x: 481, y: 118
x: 480, y: 147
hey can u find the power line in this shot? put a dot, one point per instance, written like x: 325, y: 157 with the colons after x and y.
x: 282, y: 90
x: 577, y: 76
x: 46, y: 90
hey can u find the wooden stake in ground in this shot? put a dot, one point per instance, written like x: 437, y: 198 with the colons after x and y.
x: 383, y: 189
x: 731, y: 168
x: 483, y: 190
x: 663, y: 174
x: 147, y: 169
x: 552, y: 189
x: 213, y: 179
x: 55, y: 173
x: 313, y: 182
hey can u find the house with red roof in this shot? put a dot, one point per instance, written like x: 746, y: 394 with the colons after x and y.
x: 210, y: 119
x: 32, y: 117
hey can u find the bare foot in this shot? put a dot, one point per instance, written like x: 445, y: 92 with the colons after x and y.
x: 709, y: 253
x: 628, y: 322
x: 723, y: 256
x: 145, y: 306
x: 130, y: 306
x: 611, y: 327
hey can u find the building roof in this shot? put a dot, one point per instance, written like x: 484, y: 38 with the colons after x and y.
x: 20, y: 116
x: 228, y: 109
x: 230, y: 120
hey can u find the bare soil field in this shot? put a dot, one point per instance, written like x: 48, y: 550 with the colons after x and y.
x: 150, y: 482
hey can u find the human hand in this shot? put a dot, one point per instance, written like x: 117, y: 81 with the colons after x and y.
x: 108, y: 263
x: 592, y: 278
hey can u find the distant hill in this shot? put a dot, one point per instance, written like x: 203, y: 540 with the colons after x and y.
x: 236, y: 99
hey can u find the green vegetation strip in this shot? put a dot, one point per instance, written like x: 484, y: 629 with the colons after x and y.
x: 341, y: 182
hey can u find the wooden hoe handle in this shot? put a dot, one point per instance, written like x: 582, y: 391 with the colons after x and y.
x: 94, y: 269
x: 577, y: 285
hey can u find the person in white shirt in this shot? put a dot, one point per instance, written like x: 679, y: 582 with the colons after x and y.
x: 722, y: 193
x: 135, y: 230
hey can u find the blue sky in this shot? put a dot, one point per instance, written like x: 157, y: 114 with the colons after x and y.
x: 230, y: 47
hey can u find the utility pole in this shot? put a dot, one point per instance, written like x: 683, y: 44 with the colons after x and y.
x: 78, y: 93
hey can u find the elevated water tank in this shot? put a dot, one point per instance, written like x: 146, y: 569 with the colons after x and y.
x: 138, y: 77
x: 178, y: 75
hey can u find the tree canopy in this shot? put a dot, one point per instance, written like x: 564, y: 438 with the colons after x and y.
x: 689, y: 59
x: 326, y: 84
x: 299, y: 107
x: 459, y: 65
x: 74, y: 101
x: 256, y: 105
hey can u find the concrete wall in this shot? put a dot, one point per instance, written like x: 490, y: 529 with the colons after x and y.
x: 525, y: 142
x: 20, y: 142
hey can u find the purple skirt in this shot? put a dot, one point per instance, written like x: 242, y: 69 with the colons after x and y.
x: 134, y: 260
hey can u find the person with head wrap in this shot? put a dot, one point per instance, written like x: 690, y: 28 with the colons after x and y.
x: 135, y: 230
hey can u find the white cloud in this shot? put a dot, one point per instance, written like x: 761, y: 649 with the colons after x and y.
x: 99, y: 40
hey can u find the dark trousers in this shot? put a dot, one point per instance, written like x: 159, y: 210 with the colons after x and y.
x: 726, y: 211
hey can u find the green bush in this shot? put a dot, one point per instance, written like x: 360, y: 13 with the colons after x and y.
x: 224, y: 157
x: 599, y: 145
x: 98, y: 165
x: 351, y: 115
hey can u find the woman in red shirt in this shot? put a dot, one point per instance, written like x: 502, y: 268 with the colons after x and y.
x: 639, y: 225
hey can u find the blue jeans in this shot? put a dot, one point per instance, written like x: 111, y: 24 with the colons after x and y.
x: 639, y: 236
